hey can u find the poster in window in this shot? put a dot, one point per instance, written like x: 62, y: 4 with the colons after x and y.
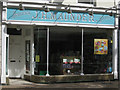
x: 100, y: 46
x: 37, y: 57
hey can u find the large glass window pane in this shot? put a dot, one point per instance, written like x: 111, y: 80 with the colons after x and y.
x: 97, y: 51
x: 40, y: 45
x: 65, y: 50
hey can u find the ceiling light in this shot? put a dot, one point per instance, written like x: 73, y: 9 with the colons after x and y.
x: 87, y: 9
x: 46, y: 9
x: 91, y: 13
x: 111, y: 14
x: 69, y: 11
x: 21, y: 6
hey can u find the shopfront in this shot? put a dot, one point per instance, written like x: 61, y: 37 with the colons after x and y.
x: 65, y: 51
x: 59, y: 43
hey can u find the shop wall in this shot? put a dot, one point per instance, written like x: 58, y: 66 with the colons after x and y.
x: 70, y: 1
x: 105, y: 3
x: 31, y: 0
x: 28, y: 36
x: 65, y: 1
x: 99, y: 3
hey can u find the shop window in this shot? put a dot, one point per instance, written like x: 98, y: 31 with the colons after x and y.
x: 40, y: 49
x: 65, y: 51
x: 32, y: 0
x: 98, y: 54
x: 87, y: 2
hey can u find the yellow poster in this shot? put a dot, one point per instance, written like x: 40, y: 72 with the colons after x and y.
x: 100, y: 46
x: 37, y: 58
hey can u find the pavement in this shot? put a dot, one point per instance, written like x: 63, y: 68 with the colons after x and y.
x: 20, y: 84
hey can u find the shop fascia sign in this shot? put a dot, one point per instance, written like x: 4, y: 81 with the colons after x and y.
x: 59, y: 17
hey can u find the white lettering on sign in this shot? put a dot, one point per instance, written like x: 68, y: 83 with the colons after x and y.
x: 64, y: 16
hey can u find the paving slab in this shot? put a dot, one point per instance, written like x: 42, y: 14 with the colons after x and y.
x: 19, y: 83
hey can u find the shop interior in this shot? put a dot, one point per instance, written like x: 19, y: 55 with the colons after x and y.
x: 65, y: 51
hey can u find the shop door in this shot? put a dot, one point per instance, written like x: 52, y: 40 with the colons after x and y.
x: 15, y: 57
